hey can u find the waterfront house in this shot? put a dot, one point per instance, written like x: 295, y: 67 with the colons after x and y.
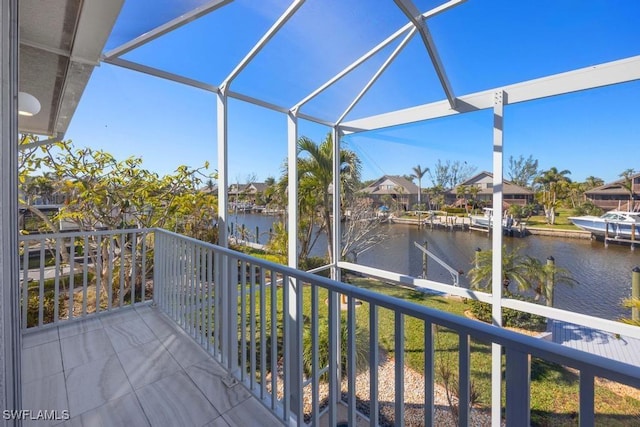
x: 395, y: 192
x: 512, y: 195
x: 188, y: 347
x: 616, y: 194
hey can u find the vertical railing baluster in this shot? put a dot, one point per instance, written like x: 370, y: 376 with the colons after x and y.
x: 210, y: 301
x: 429, y: 377
x: 25, y: 283
x: 72, y: 275
x: 243, y: 320
x: 351, y: 359
x: 85, y: 273
x: 334, y: 362
x: 286, y: 343
x: 587, y: 395
x: 41, y: 287
x: 263, y: 333
x: 234, y: 298
x: 98, y: 271
x: 175, y: 278
x: 134, y: 260
x: 464, y: 378
x: 274, y: 340
x: 517, y: 378
x: 252, y: 326
x: 123, y: 267
x: 374, y: 352
x: 56, y: 275
x: 196, y: 294
x: 191, y: 290
x: 399, y: 368
x: 110, y: 274
x: 218, y: 303
x: 202, y: 282
x: 298, y: 353
x: 315, y: 369
x: 159, y: 272
x: 162, y: 269
x: 184, y: 283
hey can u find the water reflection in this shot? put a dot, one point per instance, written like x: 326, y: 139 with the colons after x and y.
x: 603, y: 274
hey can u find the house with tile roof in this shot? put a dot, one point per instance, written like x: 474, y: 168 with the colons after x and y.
x: 398, y: 191
x: 512, y: 194
x: 615, y: 195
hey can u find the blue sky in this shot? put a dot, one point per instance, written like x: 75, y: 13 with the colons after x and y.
x: 482, y: 44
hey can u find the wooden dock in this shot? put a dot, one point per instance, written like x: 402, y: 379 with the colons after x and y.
x: 606, y: 344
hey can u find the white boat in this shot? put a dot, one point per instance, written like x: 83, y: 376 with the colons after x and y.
x: 482, y: 220
x: 618, y: 224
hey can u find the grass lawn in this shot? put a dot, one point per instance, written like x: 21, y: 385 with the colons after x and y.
x: 554, y: 389
x: 562, y: 220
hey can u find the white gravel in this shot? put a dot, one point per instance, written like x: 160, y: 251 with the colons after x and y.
x: 413, y: 398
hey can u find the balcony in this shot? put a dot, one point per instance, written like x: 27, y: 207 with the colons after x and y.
x: 168, y: 330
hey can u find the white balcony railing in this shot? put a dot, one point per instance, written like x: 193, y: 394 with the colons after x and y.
x: 65, y: 276
x: 257, y: 318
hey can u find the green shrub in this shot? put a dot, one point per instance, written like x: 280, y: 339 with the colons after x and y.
x: 510, y: 317
x: 587, y: 208
x: 362, y: 347
x: 451, y: 210
x: 48, y: 308
x: 314, y: 262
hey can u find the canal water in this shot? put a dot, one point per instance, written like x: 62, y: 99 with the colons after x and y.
x: 603, y: 274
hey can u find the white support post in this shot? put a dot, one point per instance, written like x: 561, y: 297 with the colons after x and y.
x: 226, y: 285
x: 10, y: 335
x: 337, y: 212
x: 294, y: 321
x: 292, y: 191
x: 223, y: 160
x: 496, y: 350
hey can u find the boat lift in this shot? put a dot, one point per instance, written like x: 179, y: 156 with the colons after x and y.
x: 455, y: 275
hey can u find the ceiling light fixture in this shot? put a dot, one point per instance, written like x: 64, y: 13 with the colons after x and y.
x: 28, y: 105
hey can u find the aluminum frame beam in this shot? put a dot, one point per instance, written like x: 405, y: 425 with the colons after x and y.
x: 166, y: 28
x: 10, y: 333
x: 291, y: 10
x: 156, y: 72
x: 429, y: 14
x: 411, y: 11
x: 378, y: 73
x: 605, y: 74
x: 499, y: 102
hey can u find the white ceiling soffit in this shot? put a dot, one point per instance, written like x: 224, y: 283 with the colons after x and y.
x: 60, y: 44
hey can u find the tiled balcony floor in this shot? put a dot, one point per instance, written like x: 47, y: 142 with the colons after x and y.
x: 131, y: 368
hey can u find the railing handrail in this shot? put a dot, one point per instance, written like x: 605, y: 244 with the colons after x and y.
x: 611, y: 369
x: 67, y: 234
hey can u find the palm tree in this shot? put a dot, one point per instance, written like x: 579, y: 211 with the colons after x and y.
x: 461, y: 193
x: 481, y: 274
x: 316, y: 176
x: 526, y: 271
x: 627, y: 183
x: 550, y: 181
x: 592, y: 182
x: 543, y: 277
x: 418, y: 172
